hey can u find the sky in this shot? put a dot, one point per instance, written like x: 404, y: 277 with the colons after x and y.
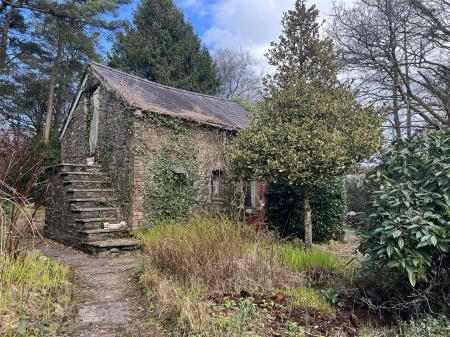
x: 247, y: 24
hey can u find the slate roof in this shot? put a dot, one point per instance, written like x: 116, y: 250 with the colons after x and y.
x: 154, y: 97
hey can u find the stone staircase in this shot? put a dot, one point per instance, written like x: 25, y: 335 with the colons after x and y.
x: 81, y: 211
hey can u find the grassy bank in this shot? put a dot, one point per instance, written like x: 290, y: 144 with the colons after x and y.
x: 34, y: 290
x: 211, y: 277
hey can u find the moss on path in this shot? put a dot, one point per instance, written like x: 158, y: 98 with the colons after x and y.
x: 106, y: 294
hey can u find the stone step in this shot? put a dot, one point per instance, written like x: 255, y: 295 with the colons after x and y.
x: 72, y: 175
x: 94, y: 223
x: 85, y: 184
x: 79, y: 168
x: 76, y: 193
x: 113, y: 246
x: 92, y: 202
x: 96, y: 212
x: 92, y: 235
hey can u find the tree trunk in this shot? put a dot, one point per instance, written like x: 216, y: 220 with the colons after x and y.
x: 4, y: 41
x: 394, y: 70
x: 448, y: 114
x: 396, y: 110
x: 408, y: 96
x: 307, y: 220
x: 51, y: 89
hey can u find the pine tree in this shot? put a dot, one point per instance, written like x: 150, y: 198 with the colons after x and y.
x: 162, y: 47
x: 47, y: 42
x: 73, y: 27
x: 310, y: 128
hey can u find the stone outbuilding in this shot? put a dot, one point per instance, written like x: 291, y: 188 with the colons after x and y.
x: 133, y: 151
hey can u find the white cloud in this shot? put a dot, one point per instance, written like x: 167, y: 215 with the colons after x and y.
x: 249, y: 24
x: 190, y: 3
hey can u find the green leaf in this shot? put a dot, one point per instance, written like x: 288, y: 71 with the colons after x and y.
x: 389, y: 250
x: 423, y: 244
x: 411, y: 276
x: 396, y: 233
x: 22, y: 328
x: 443, y: 247
x: 433, y: 240
x: 401, y: 243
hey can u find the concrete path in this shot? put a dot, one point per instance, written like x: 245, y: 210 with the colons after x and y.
x: 108, y: 300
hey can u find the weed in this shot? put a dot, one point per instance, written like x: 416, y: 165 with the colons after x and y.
x: 293, y: 329
x: 271, y: 304
x: 310, y: 298
x: 227, y: 323
x: 186, y: 261
x: 427, y: 326
x: 246, y: 309
x: 34, y: 292
x: 217, y: 253
x: 228, y: 303
x: 332, y: 296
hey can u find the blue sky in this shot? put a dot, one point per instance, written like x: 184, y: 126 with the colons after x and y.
x: 248, y: 24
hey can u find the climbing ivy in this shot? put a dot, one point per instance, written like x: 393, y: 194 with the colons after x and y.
x: 171, y: 175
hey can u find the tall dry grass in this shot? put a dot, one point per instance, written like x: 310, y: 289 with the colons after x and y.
x: 218, y: 254
x: 33, y: 289
x: 189, y: 262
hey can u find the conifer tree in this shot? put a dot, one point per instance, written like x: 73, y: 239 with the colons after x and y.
x: 310, y: 128
x: 162, y: 47
x: 47, y: 41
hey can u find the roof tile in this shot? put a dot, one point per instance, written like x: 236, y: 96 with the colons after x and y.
x: 154, y: 97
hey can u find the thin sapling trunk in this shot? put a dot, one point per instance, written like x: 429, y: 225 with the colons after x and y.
x: 307, y: 221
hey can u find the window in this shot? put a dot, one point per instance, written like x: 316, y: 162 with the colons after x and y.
x: 217, y: 183
x: 252, y: 197
x: 93, y: 132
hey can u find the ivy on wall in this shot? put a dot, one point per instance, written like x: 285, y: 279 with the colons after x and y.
x: 171, y: 176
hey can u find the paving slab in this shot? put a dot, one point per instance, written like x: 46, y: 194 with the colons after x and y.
x: 108, y: 299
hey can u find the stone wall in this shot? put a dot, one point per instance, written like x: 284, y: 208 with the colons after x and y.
x: 209, y: 146
x: 59, y: 224
x: 75, y: 143
x: 114, y: 149
x: 121, y: 133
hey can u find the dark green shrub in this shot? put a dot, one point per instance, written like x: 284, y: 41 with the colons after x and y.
x: 357, y: 196
x: 329, y: 208
x: 52, y: 150
x: 409, y: 232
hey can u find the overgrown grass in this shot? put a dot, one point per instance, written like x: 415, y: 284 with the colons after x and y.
x: 33, y: 293
x: 219, y: 254
x: 301, y: 260
x: 310, y: 298
x: 188, y: 261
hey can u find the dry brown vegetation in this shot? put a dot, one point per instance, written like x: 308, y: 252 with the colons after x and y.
x: 211, y: 277
x: 220, y: 254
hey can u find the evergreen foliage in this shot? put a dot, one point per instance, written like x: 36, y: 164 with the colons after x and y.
x: 301, y: 51
x: 162, y: 47
x: 409, y: 235
x: 310, y: 128
x: 329, y: 202
x: 44, y: 46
